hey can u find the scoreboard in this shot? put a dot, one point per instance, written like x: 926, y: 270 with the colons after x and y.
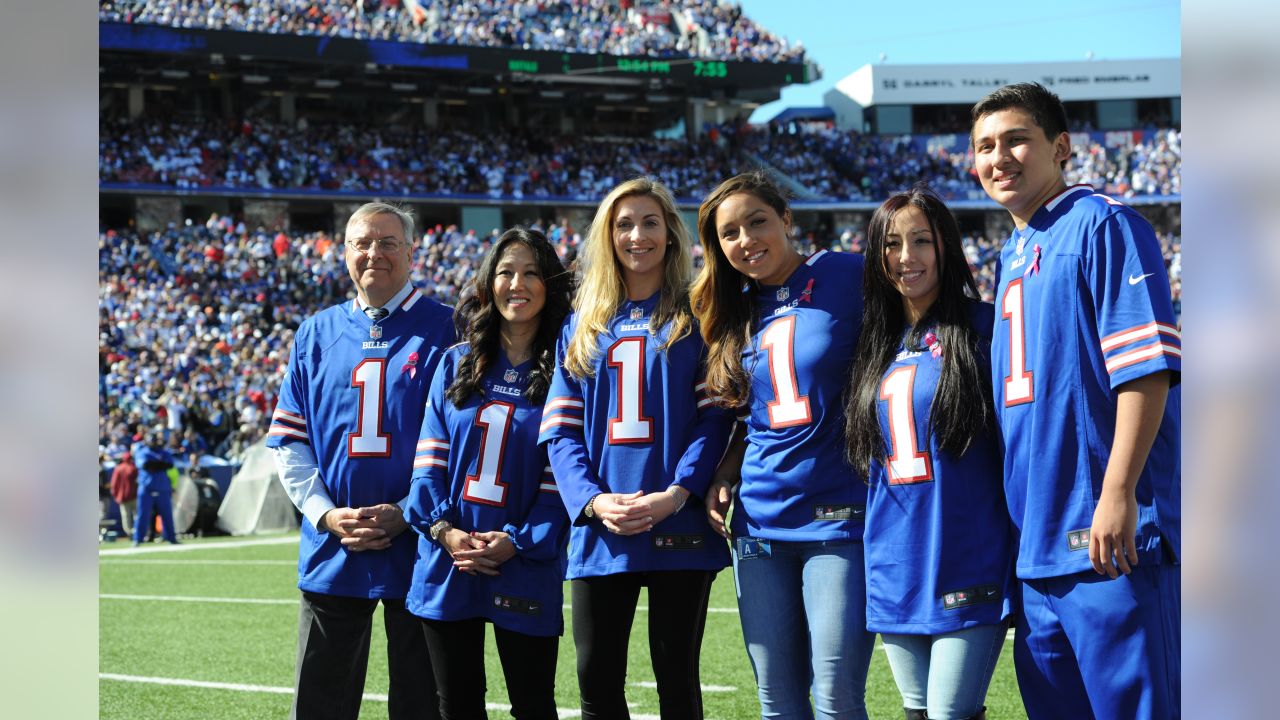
x: 683, y: 71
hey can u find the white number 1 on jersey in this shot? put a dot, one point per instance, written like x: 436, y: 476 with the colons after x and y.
x: 630, y: 426
x: 368, y: 440
x: 1018, y: 387
x: 486, y: 486
x: 788, y: 408
x: 907, y: 464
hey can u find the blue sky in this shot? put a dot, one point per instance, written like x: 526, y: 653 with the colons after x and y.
x: 844, y: 35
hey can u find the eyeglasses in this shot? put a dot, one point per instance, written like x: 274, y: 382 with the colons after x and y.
x: 386, y: 246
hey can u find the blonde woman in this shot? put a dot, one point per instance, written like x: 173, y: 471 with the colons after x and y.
x: 631, y: 434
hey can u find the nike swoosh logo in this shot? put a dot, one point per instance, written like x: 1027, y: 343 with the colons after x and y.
x: 1135, y: 279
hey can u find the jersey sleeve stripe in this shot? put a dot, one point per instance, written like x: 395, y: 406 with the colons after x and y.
x: 815, y: 257
x: 286, y: 431
x: 1133, y: 334
x: 288, y: 416
x: 428, y: 461
x: 549, y: 487
x: 411, y: 300
x: 705, y: 402
x: 559, y: 421
x: 1144, y: 353
x: 433, y: 444
x: 563, y: 402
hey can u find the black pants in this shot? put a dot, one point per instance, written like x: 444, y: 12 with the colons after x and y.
x: 333, y: 654
x: 603, y: 609
x: 457, y: 656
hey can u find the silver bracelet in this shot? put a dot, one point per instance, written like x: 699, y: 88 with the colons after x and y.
x: 680, y: 499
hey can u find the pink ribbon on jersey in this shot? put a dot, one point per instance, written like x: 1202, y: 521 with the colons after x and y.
x: 807, y: 294
x: 1034, y: 268
x: 931, y: 341
x: 411, y: 367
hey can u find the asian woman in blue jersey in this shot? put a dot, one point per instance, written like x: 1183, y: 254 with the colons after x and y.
x: 780, y: 330
x: 491, y: 524
x: 632, y: 434
x: 921, y: 427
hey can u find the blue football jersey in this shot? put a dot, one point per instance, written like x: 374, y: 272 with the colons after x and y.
x: 939, y: 546
x: 1084, y: 306
x: 479, y: 467
x: 643, y: 421
x: 796, y: 484
x: 355, y: 391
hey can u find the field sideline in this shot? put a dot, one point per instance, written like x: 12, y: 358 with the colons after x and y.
x: 207, y: 630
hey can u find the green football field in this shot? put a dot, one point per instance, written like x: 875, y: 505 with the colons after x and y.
x: 207, y: 629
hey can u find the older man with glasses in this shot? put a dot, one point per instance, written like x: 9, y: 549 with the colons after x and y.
x: 344, y: 434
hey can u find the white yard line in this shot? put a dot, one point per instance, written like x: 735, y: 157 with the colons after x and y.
x: 194, y: 561
x: 243, y: 687
x: 192, y: 598
x: 149, y: 548
x: 705, y: 688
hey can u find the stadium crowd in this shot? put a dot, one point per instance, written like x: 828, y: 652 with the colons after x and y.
x: 270, y: 154
x: 711, y: 28
x: 844, y: 165
x: 196, y: 321
x: 260, y: 153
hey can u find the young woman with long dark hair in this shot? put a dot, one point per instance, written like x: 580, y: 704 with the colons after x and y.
x: 492, y: 525
x: 780, y: 329
x: 921, y: 428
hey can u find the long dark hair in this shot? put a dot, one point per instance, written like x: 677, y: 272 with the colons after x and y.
x: 725, y: 317
x: 962, y: 407
x: 477, y: 320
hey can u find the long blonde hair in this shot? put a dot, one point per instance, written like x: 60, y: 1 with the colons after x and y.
x: 603, y: 290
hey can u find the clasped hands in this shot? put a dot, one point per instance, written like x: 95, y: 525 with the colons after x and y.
x: 637, y: 512
x: 365, y: 528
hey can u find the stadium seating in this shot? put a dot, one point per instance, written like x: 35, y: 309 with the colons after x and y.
x: 710, y: 29
x: 843, y: 166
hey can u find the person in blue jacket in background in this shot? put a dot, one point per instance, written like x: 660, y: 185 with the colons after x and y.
x: 155, y: 489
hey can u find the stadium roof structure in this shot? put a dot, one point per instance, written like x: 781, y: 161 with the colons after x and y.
x: 804, y: 113
x: 888, y: 84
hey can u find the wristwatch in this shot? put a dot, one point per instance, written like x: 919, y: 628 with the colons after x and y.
x: 590, y: 510
x: 440, y: 527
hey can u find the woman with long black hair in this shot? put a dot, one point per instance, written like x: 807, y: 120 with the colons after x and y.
x: 921, y: 428
x: 492, y: 525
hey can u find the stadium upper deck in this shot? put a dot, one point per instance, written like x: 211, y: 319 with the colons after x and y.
x: 673, y: 28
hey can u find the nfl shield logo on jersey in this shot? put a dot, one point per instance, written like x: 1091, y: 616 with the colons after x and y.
x: 511, y: 376
x: 784, y: 292
x: 375, y: 332
x: 637, y: 313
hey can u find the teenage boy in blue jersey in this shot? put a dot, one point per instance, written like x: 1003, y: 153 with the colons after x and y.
x: 1086, y: 365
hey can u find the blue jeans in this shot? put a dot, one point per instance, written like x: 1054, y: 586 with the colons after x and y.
x: 947, y: 673
x: 804, y: 619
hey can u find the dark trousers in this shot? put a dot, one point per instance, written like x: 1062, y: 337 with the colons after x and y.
x: 457, y: 657
x: 603, y: 609
x: 333, y: 654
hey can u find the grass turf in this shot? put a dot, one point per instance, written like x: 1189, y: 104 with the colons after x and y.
x: 250, y: 646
